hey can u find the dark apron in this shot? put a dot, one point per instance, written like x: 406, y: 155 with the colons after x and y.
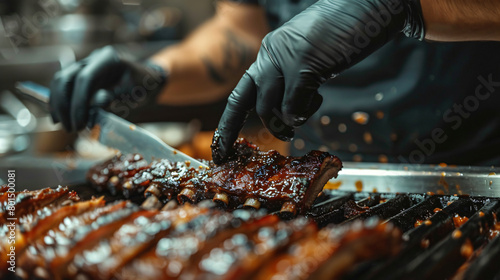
x: 410, y: 101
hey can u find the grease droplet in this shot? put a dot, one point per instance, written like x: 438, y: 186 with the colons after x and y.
x: 299, y: 144
x: 367, y: 136
x: 342, y: 128
x: 325, y: 120
x: 353, y: 148
x: 383, y: 159
x: 360, y: 117
x: 359, y: 186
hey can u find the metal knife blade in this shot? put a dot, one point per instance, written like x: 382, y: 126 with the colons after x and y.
x: 120, y: 134
x: 117, y: 133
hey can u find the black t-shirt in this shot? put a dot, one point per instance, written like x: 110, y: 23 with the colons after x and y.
x: 410, y: 101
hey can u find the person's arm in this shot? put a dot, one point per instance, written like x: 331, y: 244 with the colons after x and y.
x: 203, y: 68
x: 209, y: 63
x: 295, y: 59
x: 328, y: 38
x: 461, y: 20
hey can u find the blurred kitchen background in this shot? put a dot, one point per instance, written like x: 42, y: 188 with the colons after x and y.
x: 38, y: 37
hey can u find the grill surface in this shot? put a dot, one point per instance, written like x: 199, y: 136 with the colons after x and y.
x: 438, y: 248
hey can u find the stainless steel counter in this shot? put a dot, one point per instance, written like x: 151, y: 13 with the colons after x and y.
x: 471, y: 180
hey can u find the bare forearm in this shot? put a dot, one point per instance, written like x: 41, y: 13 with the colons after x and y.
x: 461, y: 20
x: 209, y: 63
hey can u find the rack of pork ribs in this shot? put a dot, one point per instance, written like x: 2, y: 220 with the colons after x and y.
x: 251, y: 178
x: 64, y: 237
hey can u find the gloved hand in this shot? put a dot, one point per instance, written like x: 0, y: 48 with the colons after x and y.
x: 97, y: 80
x: 295, y: 59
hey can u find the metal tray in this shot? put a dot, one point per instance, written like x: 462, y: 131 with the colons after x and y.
x: 406, y: 178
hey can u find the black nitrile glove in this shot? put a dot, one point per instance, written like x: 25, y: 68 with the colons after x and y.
x: 295, y: 59
x: 97, y: 80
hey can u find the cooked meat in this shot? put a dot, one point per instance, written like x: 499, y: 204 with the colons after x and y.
x: 59, y: 240
x: 330, y: 252
x: 134, y: 237
x: 30, y: 227
x: 358, y: 243
x: 179, y: 253
x: 112, y: 174
x: 91, y: 240
x: 252, y: 178
x: 28, y: 202
x: 273, y: 179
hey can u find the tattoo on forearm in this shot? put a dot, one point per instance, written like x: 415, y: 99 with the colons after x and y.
x: 236, y: 56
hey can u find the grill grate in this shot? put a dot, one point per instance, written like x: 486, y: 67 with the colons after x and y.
x: 456, y: 239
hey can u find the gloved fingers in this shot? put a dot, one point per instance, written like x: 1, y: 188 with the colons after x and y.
x: 239, y: 104
x: 100, y: 72
x: 270, y: 92
x: 301, y: 98
x: 271, y: 117
x: 61, y: 91
x: 314, y: 107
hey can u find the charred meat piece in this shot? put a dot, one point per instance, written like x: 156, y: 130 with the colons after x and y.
x: 27, y: 202
x: 62, y: 267
x: 112, y: 174
x: 287, y: 183
x: 132, y: 175
x: 332, y: 251
x: 91, y: 240
x: 133, y: 236
x: 213, y: 246
x: 62, y: 238
x: 246, y: 251
x: 252, y: 178
x: 179, y: 252
x: 36, y: 226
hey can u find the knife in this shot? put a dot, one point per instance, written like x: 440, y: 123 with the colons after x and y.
x: 117, y: 133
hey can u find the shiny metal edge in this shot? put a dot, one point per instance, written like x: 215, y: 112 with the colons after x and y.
x: 405, y: 178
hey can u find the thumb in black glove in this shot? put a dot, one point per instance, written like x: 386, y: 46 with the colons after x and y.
x: 105, y: 75
x: 295, y: 59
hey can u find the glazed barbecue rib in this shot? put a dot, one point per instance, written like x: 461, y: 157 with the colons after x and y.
x: 131, y: 239
x: 330, y: 252
x: 31, y: 227
x: 62, y: 239
x: 180, y: 251
x: 29, y: 201
x: 121, y: 240
x: 251, y: 178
